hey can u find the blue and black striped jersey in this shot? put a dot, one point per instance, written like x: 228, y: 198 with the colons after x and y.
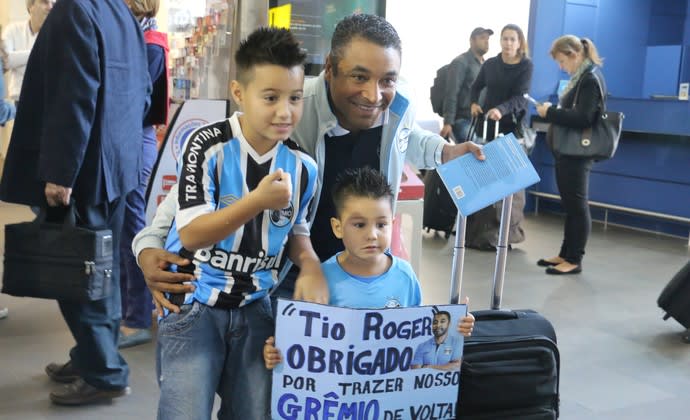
x: 218, y: 167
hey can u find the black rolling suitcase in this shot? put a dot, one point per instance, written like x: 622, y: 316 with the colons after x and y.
x: 511, y: 364
x: 439, y: 209
x: 675, y: 299
x: 510, y: 368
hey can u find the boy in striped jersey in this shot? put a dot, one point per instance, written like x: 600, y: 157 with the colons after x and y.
x: 244, y: 194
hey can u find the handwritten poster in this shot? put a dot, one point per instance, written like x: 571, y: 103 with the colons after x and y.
x: 366, y: 364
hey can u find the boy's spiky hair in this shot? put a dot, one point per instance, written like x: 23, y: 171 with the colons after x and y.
x: 360, y: 182
x: 268, y: 46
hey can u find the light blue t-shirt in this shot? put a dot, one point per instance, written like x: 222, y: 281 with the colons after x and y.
x: 428, y: 353
x: 397, y: 287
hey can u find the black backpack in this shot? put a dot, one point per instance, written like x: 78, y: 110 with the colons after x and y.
x: 438, y: 89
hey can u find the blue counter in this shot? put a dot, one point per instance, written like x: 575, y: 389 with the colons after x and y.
x: 659, y: 116
x: 650, y: 171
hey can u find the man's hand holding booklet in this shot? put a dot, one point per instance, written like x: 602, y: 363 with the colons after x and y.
x: 475, y: 184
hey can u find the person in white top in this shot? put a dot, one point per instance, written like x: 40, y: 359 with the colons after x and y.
x: 19, y: 38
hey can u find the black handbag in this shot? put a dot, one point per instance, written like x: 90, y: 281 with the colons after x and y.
x: 57, y: 260
x: 598, y: 142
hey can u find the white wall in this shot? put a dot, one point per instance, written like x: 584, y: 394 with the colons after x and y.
x: 435, y: 31
x: 11, y: 10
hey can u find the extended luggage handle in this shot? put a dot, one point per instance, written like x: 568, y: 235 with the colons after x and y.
x: 501, y: 247
x: 472, y: 131
x: 474, y: 124
x: 460, y: 229
x: 486, y: 126
x: 458, y: 258
x: 501, y: 253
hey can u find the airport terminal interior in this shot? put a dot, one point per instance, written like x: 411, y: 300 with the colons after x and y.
x: 619, y: 359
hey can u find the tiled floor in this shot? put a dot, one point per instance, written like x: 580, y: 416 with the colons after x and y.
x: 619, y: 359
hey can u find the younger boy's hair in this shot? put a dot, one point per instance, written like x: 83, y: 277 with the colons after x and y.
x: 268, y: 46
x: 360, y: 182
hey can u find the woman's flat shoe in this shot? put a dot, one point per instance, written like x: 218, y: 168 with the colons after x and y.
x: 554, y: 270
x: 546, y: 263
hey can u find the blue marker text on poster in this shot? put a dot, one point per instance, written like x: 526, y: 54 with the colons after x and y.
x: 366, y: 364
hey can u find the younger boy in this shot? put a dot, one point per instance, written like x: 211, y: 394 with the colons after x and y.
x: 365, y: 274
x: 244, y: 193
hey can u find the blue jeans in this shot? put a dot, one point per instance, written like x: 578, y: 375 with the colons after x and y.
x: 95, y: 324
x: 204, y: 350
x: 137, y: 303
x: 461, y: 129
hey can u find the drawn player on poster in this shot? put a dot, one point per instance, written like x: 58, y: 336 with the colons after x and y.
x: 443, y: 351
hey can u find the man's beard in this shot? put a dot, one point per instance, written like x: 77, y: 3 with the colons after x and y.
x: 440, y: 332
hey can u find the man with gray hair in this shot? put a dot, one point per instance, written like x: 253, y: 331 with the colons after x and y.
x: 19, y: 38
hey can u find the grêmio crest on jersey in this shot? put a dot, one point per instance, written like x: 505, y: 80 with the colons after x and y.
x: 282, y: 217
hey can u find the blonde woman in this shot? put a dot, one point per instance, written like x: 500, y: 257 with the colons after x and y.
x: 580, y: 59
